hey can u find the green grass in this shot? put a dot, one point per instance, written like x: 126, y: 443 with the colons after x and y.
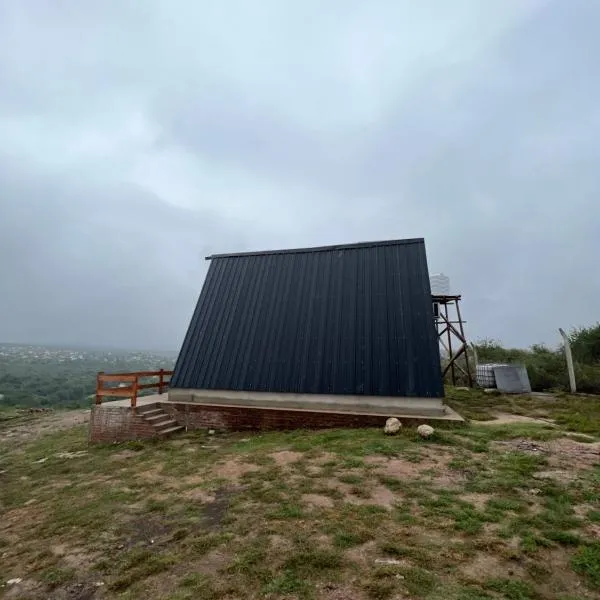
x: 587, y: 562
x: 55, y: 576
x: 512, y: 589
x: 288, y: 583
x: 144, y: 516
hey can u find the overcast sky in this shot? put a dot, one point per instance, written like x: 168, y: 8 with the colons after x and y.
x: 136, y: 137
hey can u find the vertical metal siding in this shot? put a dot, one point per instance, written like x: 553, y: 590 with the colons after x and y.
x: 339, y: 320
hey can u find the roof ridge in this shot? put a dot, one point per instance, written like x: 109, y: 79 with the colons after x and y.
x: 352, y: 246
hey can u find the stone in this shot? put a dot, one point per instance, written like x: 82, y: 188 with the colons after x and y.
x: 392, y: 426
x: 14, y: 581
x: 425, y: 431
x: 211, y: 432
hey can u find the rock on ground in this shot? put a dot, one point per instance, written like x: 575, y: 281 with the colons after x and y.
x: 392, y: 426
x: 425, y: 431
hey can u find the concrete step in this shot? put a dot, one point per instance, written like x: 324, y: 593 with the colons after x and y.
x: 164, y: 425
x: 149, y: 410
x: 166, y: 432
x: 157, y: 416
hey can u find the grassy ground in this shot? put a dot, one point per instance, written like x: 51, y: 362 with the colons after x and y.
x: 488, y: 511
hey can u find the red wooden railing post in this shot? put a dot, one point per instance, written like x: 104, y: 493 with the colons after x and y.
x: 99, y: 388
x: 160, y: 381
x: 135, y: 391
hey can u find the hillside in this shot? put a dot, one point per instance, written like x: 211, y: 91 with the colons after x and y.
x: 504, y: 508
x: 62, y: 377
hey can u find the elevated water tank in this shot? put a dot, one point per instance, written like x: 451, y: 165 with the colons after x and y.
x: 440, y: 284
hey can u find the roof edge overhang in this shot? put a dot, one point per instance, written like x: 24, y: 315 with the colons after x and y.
x: 335, y: 247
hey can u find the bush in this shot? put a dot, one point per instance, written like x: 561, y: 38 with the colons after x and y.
x: 547, y: 367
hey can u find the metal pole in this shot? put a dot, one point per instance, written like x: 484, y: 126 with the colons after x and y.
x: 569, y: 357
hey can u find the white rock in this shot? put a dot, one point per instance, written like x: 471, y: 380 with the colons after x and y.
x: 425, y: 431
x: 14, y: 581
x: 392, y: 426
x: 211, y: 432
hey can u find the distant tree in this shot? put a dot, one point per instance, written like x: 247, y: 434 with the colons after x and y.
x: 585, y: 344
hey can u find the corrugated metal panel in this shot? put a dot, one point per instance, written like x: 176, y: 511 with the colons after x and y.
x: 353, y: 319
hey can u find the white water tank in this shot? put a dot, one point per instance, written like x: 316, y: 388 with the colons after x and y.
x: 440, y: 284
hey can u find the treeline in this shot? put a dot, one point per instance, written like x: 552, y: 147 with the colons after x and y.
x: 547, y: 367
x: 27, y: 382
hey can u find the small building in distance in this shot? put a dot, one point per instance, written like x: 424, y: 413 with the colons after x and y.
x: 345, y: 328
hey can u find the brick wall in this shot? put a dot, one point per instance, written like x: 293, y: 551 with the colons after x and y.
x: 235, y: 418
x: 118, y: 424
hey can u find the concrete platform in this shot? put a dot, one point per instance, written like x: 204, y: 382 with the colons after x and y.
x: 117, y: 421
x: 432, y: 408
x: 141, y: 401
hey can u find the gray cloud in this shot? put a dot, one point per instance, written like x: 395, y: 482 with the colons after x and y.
x: 131, y: 145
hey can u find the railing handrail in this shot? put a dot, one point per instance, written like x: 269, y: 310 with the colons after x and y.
x: 132, y: 390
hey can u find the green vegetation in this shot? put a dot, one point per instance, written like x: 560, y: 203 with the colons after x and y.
x: 33, y: 376
x: 547, y: 368
x: 466, y: 515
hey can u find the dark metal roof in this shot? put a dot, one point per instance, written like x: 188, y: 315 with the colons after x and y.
x: 351, y: 319
x: 321, y: 248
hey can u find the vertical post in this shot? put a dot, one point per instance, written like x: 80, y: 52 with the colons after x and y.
x: 99, y: 387
x: 464, y: 341
x: 475, y: 356
x: 160, y: 381
x: 569, y: 357
x: 451, y: 357
x: 135, y: 391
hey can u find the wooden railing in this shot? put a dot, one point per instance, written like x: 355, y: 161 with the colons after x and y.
x: 133, y: 385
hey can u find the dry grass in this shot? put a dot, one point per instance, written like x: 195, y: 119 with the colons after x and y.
x: 484, y: 512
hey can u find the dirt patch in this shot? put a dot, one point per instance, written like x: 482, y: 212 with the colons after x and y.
x: 379, y: 495
x: 556, y: 475
x: 488, y: 566
x: 74, y: 558
x: 593, y: 529
x: 286, y: 457
x: 561, y: 580
x: 198, y: 495
x: 314, y: 471
x: 210, y: 564
x: 233, y: 470
x: 332, y: 591
x: 568, y: 454
x: 479, y: 501
x: 564, y: 453
x: 154, y: 475
x: 279, y: 544
x: 382, y: 496
x: 433, y: 465
x: 508, y: 418
x: 363, y: 554
x: 27, y: 427
x: 317, y: 501
x: 325, y: 457
x: 25, y: 589
x: 124, y: 455
x: 77, y: 591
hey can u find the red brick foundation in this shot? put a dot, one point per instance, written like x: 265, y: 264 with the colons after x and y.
x: 236, y: 418
x: 118, y: 424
